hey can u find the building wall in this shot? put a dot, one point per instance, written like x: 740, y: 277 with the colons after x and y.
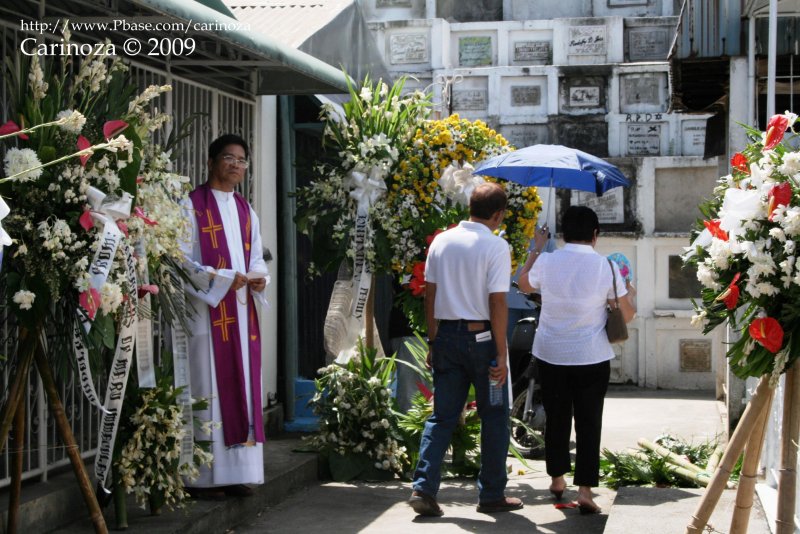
x: 592, y: 75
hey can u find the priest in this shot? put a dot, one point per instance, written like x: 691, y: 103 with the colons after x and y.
x: 226, y: 263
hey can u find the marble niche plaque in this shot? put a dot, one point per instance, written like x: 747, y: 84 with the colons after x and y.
x: 644, y: 139
x: 693, y: 138
x: 587, y: 41
x: 532, y: 50
x: 648, y: 43
x: 641, y: 90
x: 584, y: 97
x: 522, y: 135
x: 474, y: 51
x: 609, y: 208
x: 526, y: 95
x: 392, y: 3
x: 470, y: 99
x: 695, y: 355
x: 407, y: 48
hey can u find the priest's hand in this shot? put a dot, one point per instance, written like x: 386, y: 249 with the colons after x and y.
x: 257, y: 284
x: 239, y: 281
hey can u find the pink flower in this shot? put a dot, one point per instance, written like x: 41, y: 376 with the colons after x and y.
x: 113, y: 128
x: 11, y: 127
x: 139, y: 212
x: 83, y: 144
x: 86, y: 221
x: 90, y: 301
x: 146, y: 289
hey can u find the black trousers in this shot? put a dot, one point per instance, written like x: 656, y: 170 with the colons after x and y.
x: 574, y: 391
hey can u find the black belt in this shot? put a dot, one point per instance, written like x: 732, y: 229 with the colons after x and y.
x: 465, y: 322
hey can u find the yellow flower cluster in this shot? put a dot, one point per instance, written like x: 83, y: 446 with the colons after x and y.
x: 418, y: 203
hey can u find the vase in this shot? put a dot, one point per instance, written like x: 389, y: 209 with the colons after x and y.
x: 155, y: 501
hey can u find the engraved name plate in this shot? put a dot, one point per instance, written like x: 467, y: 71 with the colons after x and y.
x: 587, y: 40
x: 526, y: 95
x: 584, y: 97
x: 644, y: 139
x: 695, y: 355
x: 475, y: 99
x: 474, y: 51
x: 532, y: 50
x: 408, y: 48
x: 648, y: 43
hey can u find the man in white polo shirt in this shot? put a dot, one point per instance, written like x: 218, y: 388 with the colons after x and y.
x: 467, y: 277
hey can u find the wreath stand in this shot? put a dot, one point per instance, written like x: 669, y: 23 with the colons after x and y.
x: 749, y: 437
x: 32, y: 350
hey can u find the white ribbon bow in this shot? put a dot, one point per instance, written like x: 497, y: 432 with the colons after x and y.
x: 104, y: 208
x: 367, y: 189
x: 458, y: 182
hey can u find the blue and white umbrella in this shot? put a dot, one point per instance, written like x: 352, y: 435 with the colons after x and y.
x: 554, y: 166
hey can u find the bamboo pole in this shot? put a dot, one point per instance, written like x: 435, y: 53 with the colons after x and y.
x: 16, y: 473
x: 740, y: 436
x: 713, y: 460
x: 18, y: 385
x: 787, y: 476
x: 747, y: 479
x: 71, y: 447
x: 701, y: 479
x: 670, y: 456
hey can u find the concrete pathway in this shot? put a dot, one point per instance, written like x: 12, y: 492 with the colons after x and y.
x: 630, y: 413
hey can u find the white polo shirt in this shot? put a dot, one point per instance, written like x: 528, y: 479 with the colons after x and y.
x: 467, y: 263
x: 575, y: 284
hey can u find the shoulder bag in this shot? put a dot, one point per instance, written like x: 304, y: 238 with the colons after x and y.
x: 616, y: 329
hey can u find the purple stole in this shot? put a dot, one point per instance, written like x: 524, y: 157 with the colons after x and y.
x: 225, y: 322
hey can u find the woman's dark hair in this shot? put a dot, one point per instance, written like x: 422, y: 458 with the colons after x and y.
x: 486, y: 200
x: 218, y: 144
x: 579, y: 223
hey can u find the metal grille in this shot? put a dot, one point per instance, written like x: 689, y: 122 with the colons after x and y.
x: 216, y: 113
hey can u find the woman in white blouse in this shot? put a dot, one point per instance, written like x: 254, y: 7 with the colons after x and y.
x: 572, y: 348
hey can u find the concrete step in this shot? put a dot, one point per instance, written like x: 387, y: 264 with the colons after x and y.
x: 56, y: 506
x: 641, y: 509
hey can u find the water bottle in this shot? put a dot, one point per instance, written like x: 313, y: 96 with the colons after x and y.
x: 495, y: 389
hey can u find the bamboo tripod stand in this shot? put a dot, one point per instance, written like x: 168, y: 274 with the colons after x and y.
x: 749, y: 437
x: 32, y: 351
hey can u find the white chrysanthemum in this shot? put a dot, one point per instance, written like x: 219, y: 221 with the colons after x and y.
x: 22, y: 163
x: 707, y: 276
x: 24, y: 299
x: 791, y: 164
x: 71, y: 121
x: 720, y: 253
x: 110, y: 297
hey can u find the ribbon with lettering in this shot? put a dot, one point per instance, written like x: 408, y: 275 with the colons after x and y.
x: 366, y: 190
x: 180, y: 363
x: 145, y: 368
x: 118, y: 378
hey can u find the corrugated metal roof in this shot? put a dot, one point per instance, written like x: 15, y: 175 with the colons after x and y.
x: 289, y: 22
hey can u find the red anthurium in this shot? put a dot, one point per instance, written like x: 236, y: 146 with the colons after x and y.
x: 139, y: 212
x: 768, y: 333
x: 739, y: 162
x: 779, y: 195
x: 716, y: 231
x: 11, y: 127
x: 417, y: 283
x: 113, y: 128
x: 776, y: 128
x: 123, y: 228
x: 86, y: 221
x: 90, y: 301
x: 731, y: 295
x: 83, y: 144
x: 430, y: 238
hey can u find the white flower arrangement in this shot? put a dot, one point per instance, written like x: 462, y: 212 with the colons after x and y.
x: 23, y: 163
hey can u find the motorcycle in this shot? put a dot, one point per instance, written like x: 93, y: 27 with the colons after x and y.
x: 528, y: 417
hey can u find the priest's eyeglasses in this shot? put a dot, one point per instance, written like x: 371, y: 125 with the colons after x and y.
x: 233, y: 160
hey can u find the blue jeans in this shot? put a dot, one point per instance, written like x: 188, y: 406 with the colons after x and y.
x: 458, y: 361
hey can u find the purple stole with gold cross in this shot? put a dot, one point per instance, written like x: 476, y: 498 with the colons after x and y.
x: 225, y: 322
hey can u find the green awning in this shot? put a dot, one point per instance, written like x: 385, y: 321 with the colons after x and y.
x: 280, y: 69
